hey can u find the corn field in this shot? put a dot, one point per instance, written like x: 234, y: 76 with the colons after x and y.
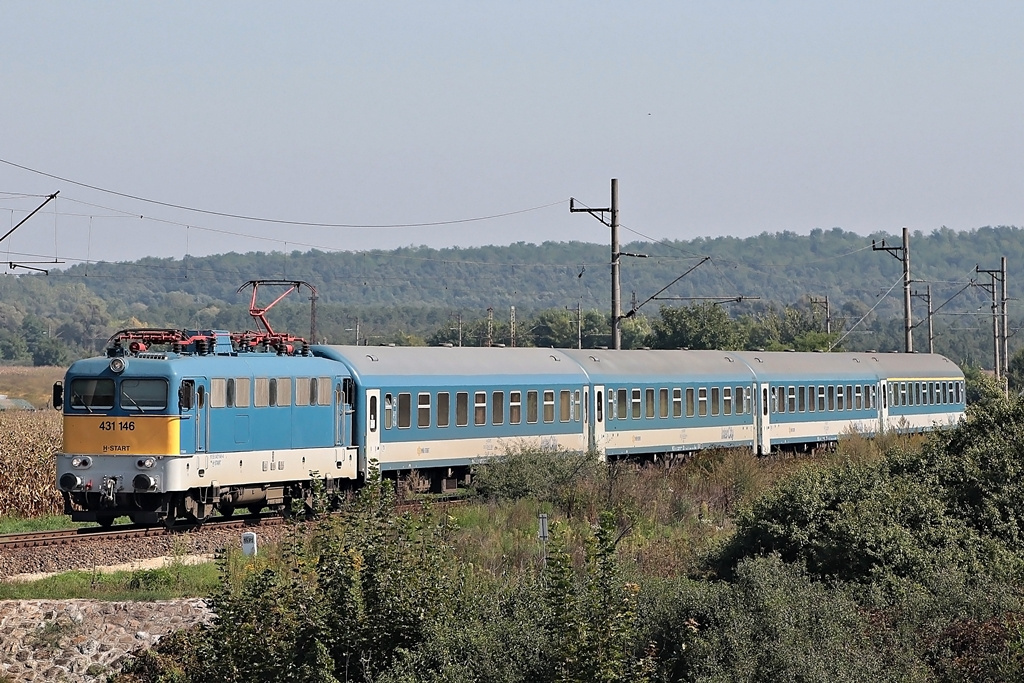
x: 28, y: 442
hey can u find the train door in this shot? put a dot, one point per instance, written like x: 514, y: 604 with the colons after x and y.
x: 371, y: 429
x: 883, y: 406
x: 193, y: 405
x: 763, y: 443
x: 344, y: 391
x: 597, y: 422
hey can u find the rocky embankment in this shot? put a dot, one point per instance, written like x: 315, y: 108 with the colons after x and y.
x: 83, y: 640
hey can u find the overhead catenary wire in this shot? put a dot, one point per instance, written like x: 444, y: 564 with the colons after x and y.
x: 278, y: 221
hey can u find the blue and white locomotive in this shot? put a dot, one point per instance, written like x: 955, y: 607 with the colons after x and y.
x: 214, y: 421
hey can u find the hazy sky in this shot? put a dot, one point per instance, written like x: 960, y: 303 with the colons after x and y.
x: 718, y: 118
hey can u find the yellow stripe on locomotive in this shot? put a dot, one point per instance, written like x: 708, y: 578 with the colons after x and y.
x: 113, y: 435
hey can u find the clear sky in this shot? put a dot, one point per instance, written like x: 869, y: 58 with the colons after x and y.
x: 718, y: 118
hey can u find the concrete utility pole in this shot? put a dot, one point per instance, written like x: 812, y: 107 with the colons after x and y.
x: 997, y: 288
x: 903, y: 254
x: 927, y: 296
x: 1006, y: 327
x: 828, y: 312
x: 612, y: 223
x: 512, y: 326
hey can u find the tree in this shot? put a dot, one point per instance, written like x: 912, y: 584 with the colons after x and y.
x: 700, y: 326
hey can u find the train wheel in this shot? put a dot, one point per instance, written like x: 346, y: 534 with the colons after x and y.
x: 227, y: 511
x: 105, y: 521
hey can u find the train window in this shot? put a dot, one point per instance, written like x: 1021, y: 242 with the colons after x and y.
x: 314, y: 390
x: 802, y: 398
x: 302, y: 391
x: 324, y: 393
x: 389, y: 411
x: 611, y: 404
x: 747, y: 408
x: 261, y: 392
x: 404, y: 410
x: 775, y: 400
x: 480, y: 408
x: 831, y: 397
x: 903, y: 394
x: 702, y: 401
x: 371, y: 417
x: 272, y: 391
x: 218, y: 393
x: 423, y: 410
x: 443, y: 408
x: 849, y: 397
x: 201, y: 396
x: 576, y: 405
x: 348, y: 390
x: 792, y: 399
x: 764, y: 401
x: 564, y: 405
x: 531, y: 406
x: 229, y: 399
x: 821, y: 399
x: 623, y: 407
x: 649, y: 403
x: 284, y: 391
x: 812, y: 398
x: 690, y: 405
x: 677, y: 402
x: 461, y: 409
x: 715, y: 400
x: 662, y: 402
x: 243, y: 392
x: 959, y: 392
x: 726, y: 400
x: 549, y: 405
x: 599, y: 405
x: 858, y: 398
x: 143, y: 394
x: 515, y: 407
x: 945, y: 392
x: 634, y: 402
x: 840, y: 403
x: 92, y: 393
x: 498, y: 407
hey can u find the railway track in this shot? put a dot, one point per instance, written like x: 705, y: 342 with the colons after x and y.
x: 56, y: 537
x: 37, y: 539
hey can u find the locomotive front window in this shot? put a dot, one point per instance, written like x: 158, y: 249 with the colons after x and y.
x: 92, y: 393
x: 143, y: 394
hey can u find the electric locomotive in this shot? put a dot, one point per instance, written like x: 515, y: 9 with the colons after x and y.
x: 211, y: 422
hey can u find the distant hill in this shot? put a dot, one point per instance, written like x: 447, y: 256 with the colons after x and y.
x: 413, y: 291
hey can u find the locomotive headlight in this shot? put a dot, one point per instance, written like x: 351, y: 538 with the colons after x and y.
x: 117, y: 365
x: 69, y: 482
x: 143, y: 482
x: 81, y: 462
x: 145, y: 463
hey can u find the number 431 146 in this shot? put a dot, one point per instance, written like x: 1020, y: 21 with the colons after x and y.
x: 117, y: 425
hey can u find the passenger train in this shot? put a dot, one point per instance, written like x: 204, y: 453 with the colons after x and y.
x: 173, y: 425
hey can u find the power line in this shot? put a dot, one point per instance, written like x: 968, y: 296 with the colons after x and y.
x: 278, y: 221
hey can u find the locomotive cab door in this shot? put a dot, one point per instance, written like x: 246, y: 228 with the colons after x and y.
x: 193, y: 404
x: 763, y: 443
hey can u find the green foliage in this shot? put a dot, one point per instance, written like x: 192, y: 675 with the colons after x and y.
x: 413, y: 294
x: 981, y: 387
x: 771, y: 623
x: 526, y: 471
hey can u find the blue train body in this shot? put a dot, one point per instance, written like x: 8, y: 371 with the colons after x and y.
x: 216, y: 422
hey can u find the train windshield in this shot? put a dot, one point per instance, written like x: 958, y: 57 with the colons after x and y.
x: 144, y: 394
x: 92, y: 393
